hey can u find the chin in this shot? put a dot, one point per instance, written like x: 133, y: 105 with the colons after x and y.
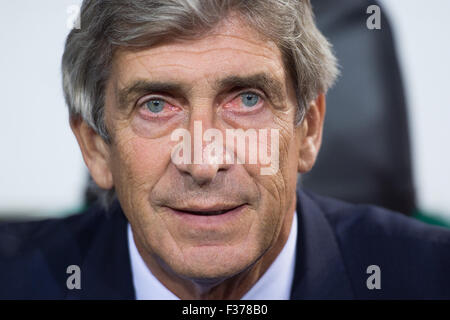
x: 214, y: 263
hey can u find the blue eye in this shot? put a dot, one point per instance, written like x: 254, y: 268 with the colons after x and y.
x: 155, y: 106
x: 249, y: 99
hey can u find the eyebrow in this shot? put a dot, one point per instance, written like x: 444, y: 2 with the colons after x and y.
x: 263, y: 81
x: 142, y: 87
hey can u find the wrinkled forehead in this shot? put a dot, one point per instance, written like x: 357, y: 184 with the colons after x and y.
x: 230, y: 49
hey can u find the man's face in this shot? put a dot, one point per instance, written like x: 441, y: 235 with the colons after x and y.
x: 154, y: 91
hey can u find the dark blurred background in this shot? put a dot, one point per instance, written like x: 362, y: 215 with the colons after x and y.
x: 365, y: 156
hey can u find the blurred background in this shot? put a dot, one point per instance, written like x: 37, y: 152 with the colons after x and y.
x: 386, y: 138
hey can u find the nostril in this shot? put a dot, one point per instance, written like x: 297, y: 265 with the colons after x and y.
x: 203, y: 173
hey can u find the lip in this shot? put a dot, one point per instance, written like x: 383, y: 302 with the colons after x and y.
x: 199, y: 217
x: 208, y: 211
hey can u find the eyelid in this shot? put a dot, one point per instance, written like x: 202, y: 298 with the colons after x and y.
x: 251, y: 91
x: 140, y: 102
x: 257, y: 92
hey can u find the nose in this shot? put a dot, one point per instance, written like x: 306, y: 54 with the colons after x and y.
x: 205, y: 172
x: 208, y: 155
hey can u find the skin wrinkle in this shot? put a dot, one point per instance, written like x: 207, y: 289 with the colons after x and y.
x: 215, y: 36
x: 181, y: 252
x: 172, y: 236
x: 233, y: 36
x: 164, y: 52
x: 155, y: 55
x: 221, y: 261
x: 171, y: 64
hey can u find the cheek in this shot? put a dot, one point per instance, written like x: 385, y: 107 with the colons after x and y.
x: 280, y: 185
x: 288, y: 158
x: 157, y: 129
x: 139, y: 165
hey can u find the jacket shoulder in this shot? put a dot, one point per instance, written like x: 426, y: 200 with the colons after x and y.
x: 19, y: 238
x: 413, y: 257
x: 33, y: 253
x: 372, y: 221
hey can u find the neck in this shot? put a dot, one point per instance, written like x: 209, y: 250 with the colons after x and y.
x: 232, y: 288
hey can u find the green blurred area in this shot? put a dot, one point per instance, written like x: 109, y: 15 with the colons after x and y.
x: 431, y: 218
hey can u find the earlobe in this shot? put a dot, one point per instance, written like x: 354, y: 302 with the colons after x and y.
x: 310, y: 134
x: 95, y: 153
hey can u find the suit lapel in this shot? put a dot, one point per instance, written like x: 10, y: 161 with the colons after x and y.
x: 319, y: 272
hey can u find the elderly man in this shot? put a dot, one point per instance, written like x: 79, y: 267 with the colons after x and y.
x: 194, y: 118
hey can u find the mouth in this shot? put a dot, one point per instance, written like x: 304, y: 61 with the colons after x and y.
x: 211, y: 211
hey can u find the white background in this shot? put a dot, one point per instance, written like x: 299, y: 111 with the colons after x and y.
x: 422, y: 34
x: 41, y: 169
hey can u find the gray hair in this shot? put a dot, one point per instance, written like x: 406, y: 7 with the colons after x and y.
x: 107, y: 25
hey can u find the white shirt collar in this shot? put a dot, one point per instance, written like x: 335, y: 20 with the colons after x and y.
x: 275, y: 284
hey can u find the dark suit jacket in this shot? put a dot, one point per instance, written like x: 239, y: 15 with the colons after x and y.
x: 336, y: 243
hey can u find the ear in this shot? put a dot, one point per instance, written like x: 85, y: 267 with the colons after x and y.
x: 309, y: 134
x: 95, y: 153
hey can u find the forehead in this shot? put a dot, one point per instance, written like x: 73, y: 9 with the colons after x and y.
x: 230, y: 49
